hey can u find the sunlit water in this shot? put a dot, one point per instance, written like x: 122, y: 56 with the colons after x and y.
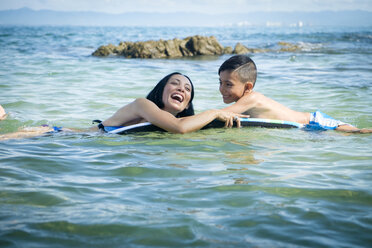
x: 250, y: 187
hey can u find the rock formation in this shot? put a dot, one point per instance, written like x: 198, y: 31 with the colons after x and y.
x: 188, y: 47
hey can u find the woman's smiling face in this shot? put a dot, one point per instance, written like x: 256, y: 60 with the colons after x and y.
x: 176, y: 94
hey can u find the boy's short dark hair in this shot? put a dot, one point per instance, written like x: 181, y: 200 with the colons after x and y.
x: 244, y: 66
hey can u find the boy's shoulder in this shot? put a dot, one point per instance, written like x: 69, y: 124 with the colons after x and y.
x: 252, y: 96
x: 254, y: 99
x: 249, y: 100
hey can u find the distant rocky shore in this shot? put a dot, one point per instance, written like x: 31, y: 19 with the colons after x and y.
x: 188, y: 47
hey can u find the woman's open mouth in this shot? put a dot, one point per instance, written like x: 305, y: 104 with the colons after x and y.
x: 178, y: 97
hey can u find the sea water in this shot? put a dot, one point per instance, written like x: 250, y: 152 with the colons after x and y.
x: 249, y: 187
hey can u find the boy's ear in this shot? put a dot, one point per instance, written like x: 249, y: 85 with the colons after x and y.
x: 248, y: 87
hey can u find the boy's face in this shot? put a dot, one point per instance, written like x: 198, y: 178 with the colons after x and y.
x: 230, y: 86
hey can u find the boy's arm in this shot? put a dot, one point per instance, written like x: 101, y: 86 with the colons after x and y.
x: 241, y: 106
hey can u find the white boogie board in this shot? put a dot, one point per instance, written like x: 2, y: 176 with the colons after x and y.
x: 245, y: 122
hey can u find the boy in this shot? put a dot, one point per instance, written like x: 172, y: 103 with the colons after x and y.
x: 237, y: 78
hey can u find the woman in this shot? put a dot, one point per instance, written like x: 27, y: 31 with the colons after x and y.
x: 168, y: 106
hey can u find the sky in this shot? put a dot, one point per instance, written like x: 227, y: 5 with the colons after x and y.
x: 201, y: 6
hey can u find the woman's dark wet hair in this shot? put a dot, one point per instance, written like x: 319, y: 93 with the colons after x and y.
x: 156, y: 95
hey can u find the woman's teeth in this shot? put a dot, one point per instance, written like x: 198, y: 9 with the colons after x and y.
x: 177, y: 97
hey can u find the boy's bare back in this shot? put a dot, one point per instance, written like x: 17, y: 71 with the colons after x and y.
x: 256, y: 105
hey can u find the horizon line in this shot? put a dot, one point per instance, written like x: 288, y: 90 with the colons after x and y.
x: 189, y: 12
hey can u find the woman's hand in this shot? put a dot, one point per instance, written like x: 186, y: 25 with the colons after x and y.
x: 229, y: 118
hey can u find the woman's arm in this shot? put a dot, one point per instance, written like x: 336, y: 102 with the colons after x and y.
x: 352, y: 129
x: 143, y: 109
x: 2, y: 113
